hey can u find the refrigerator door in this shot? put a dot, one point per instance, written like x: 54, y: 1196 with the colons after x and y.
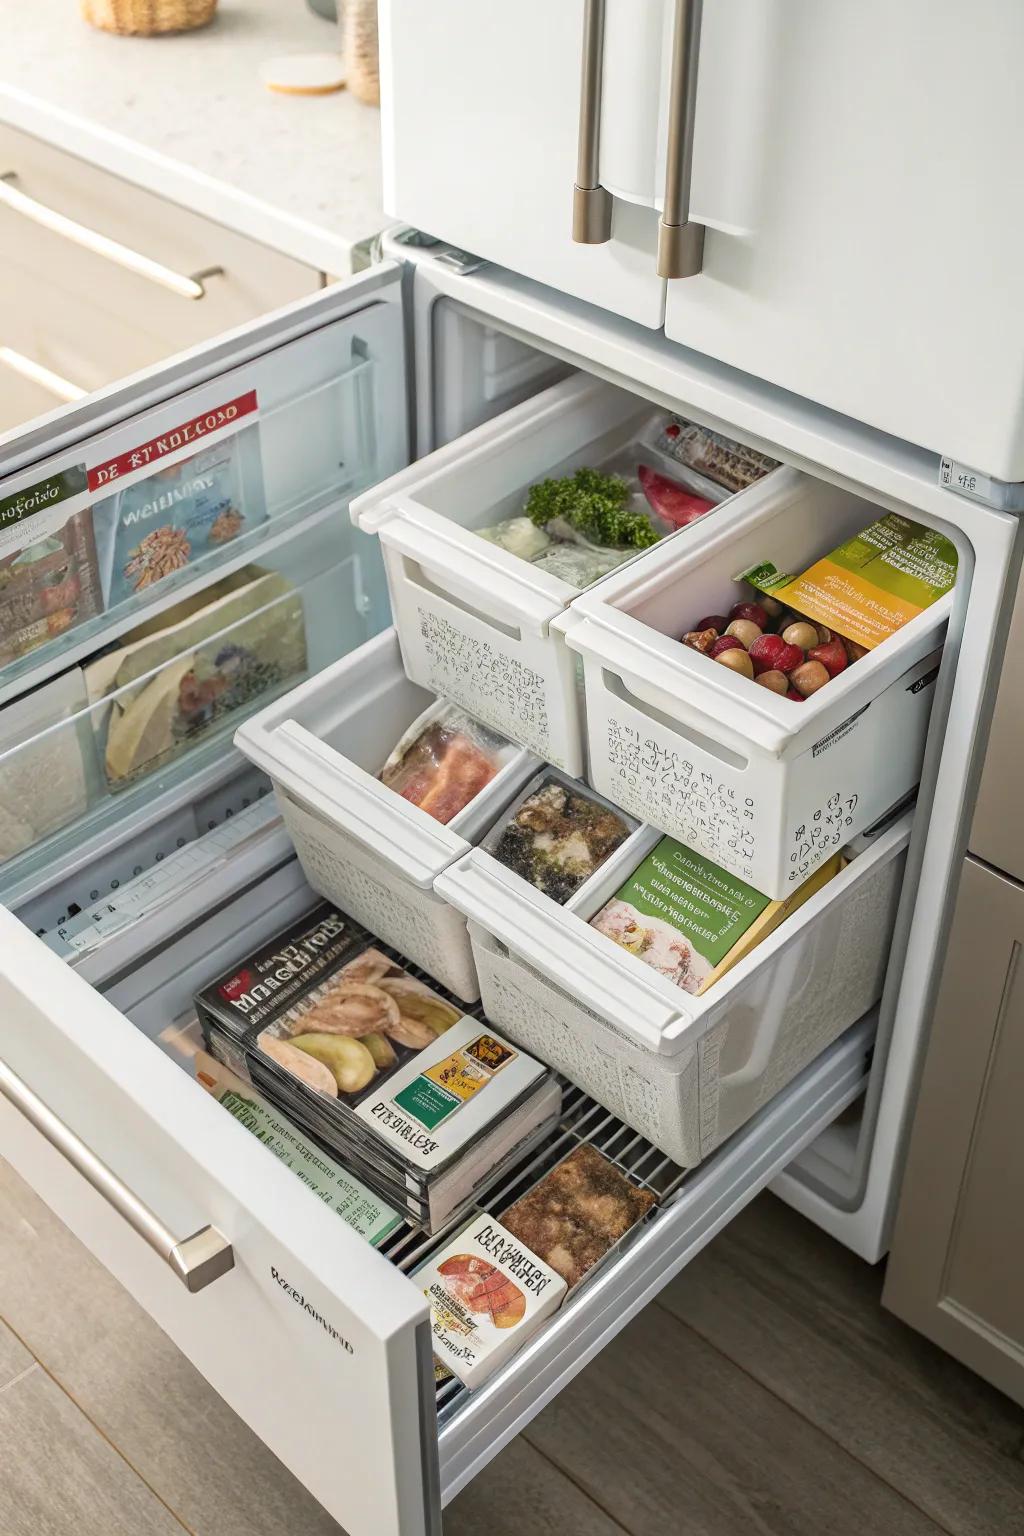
x: 853, y: 166
x: 482, y: 134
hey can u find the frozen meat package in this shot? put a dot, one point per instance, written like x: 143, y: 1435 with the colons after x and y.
x: 386, y: 1071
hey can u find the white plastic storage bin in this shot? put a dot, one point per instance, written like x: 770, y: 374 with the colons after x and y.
x: 766, y: 787
x: 360, y: 844
x: 684, y: 1071
x: 474, y: 621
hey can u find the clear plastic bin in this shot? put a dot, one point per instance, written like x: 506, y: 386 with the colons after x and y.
x: 766, y: 787
x: 684, y: 1071
x: 137, y: 727
x: 360, y: 843
x: 476, y: 623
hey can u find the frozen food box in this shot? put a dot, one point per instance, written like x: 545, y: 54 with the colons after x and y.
x: 48, y: 587
x: 157, y: 527
x: 488, y: 1294
x: 358, y: 1206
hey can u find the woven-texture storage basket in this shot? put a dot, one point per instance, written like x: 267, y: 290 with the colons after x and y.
x: 362, y: 66
x: 144, y: 18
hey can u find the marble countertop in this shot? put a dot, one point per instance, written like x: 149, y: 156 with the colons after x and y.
x: 187, y: 116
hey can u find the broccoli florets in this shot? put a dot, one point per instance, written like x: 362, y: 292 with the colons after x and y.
x: 596, y: 505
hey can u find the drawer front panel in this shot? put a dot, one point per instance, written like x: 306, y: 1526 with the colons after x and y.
x: 130, y: 319
x: 312, y: 1337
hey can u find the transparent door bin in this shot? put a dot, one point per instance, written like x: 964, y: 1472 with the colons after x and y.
x: 136, y: 728
x: 167, y: 520
x: 361, y: 845
x: 474, y: 620
x: 684, y: 1071
x: 763, y: 785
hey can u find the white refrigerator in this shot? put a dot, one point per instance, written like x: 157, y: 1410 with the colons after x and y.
x: 318, y: 1341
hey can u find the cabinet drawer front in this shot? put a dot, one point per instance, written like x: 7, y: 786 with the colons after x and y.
x: 312, y: 1337
x: 130, y: 319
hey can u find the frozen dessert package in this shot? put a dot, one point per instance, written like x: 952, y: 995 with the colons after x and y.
x: 580, y: 564
x: 175, y: 679
x: 488, y: 1294
x: 557, y: 833
x: 444, y: 760
x: 48, y: 587
x: 692, y: 921
x: 357, y: 1205
x: 422, y: 1101
x: 577, y: 1213
x: 710, y: 454
x: 872, y: 584
x: 160, y: 525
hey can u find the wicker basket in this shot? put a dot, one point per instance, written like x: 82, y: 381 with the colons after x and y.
x: 362, y: 66
x: 146, y: 17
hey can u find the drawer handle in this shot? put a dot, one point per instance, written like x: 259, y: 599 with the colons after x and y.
x: 28, y: 368
x: 591, y: 203
x: 91, y: 240
x: 197, y: 1260
x: 680, y: 243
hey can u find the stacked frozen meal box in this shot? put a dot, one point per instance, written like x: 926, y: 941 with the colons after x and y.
x: 424, y: 1103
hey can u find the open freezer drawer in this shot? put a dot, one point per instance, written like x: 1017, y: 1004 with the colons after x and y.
x: 317, y: 1340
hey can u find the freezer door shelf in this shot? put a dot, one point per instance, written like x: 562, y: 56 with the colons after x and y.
x: 314, y: 1338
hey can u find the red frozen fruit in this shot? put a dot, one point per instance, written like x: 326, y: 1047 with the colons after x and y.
x: 789, y: 657
x: 765, y: 652
x: 725, y: 643
x: 716, y: 621
x: 752, y: 611
x: 832, y: 656
x: 797, y: 697
x: 678, y: 506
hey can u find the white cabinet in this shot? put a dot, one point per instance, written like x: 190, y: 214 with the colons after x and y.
x: 855, y: 169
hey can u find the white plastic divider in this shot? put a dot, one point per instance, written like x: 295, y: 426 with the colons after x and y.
x: 360, y: 843
x: 683, y: 1070
x: 765, y: 786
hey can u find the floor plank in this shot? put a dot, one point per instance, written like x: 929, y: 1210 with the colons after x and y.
x: 521, y: 1494
x: 668, y: 1436
x: 136, y: 1386
x: 14, y: 1358
x: 802, y: 1315
x: 61, y: 1478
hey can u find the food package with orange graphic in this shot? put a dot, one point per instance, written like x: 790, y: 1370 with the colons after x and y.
x: 488, y: 1294
x: 872, y: 585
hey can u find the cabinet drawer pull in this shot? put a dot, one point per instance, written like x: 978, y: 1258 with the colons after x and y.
x: 680, y: 243
x: 197, y: 1260
x: 52, y: 382
x: 591, y: 203
x: 91, y: 240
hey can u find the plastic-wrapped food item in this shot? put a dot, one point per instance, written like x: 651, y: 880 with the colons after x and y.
x: 444, y: 760
x: 580, y: 564
x: 518, y: 535
x: 577, y: 1213
x: 709, y: 453
x: 556, y: 834
x: 48, y: 587
x: 672, y: 501
x: 599, y: 506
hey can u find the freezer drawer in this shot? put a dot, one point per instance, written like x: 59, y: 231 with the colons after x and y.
x: 314, y: 1338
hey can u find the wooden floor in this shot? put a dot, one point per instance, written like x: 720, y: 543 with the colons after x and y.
x: 765, y: 1394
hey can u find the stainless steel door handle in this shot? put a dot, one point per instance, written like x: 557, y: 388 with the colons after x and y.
x: 591, y: 203
x: 197, y: 1260
x: 680, y: 243
x: 100, y: 245
x: 28, y: 368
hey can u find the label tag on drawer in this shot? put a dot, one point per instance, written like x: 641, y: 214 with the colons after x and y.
x: 1005, y: 495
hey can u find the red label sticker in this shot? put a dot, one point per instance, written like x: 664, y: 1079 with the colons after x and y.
x: 237, y: 987
x: 189, y: 433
